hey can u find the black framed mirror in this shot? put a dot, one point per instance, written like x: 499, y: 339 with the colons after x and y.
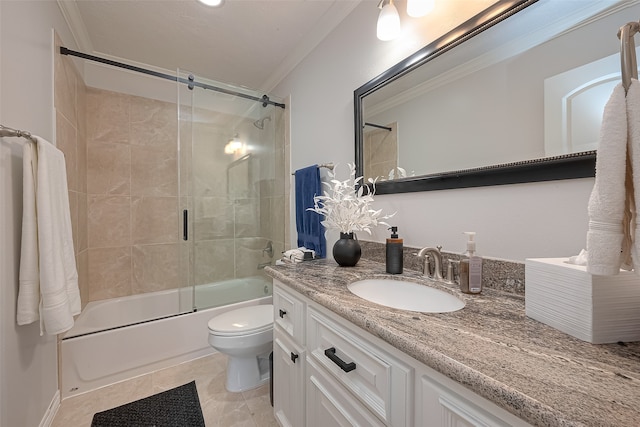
x: 444, y: 59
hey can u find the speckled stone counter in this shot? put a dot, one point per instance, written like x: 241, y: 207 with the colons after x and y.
x: 540, y: 374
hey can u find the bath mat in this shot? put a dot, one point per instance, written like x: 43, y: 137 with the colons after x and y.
x: 177, y: 407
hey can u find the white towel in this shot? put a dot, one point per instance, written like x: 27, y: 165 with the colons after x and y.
x: 29, y: 293
x: 48, y: 275
x: 633, y: 120
x: 607, y: 201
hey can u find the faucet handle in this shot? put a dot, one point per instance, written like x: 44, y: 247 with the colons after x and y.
x: 451, y: 276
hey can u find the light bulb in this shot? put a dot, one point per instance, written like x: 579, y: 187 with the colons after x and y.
x: 212, y: 3
x: 388, y: 23
x: 418, y: 8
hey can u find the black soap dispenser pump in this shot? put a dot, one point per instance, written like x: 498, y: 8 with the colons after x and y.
x: 394, y: 252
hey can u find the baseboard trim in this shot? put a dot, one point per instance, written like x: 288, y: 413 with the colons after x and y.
x: 52, y: 410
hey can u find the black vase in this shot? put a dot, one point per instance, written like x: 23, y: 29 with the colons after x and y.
x: 346, y: 250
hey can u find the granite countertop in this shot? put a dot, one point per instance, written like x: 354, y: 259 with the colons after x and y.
x: 538, y: 373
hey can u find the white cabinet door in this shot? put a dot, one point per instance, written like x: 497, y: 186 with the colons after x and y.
x: 440, y: 406
x: 330, y: 405
x: 288, y: 381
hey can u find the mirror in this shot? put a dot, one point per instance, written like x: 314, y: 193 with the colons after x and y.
x: 513, y: 95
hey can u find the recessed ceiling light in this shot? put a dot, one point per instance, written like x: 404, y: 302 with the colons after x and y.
x: 212, y: 3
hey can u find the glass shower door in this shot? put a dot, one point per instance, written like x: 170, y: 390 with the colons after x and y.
x: 234, y: 195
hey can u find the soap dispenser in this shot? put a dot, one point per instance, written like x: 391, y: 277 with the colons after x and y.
x: 394, y: 256
x: 471, y: 268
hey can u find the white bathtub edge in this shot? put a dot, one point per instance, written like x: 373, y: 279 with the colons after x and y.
x: 114, y: 356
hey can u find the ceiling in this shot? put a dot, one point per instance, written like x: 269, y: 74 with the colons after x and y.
x: 251, y: 43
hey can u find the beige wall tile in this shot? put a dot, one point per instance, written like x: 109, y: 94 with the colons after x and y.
x: 154, y: 220
x: 153, y: 172
x: 109, y: 221
x: 81, y: 104
x: 247, y: 217
x: 213, y: 261
x: 109, y: 272
x: 249, y: 254
x: 82, y: 264
x: 153, y: 123
x: 66, y: 141
x: 107, y: 116
x: 81, y: 152
x: 277, y: 218
x: 213, y: 218
x: 209, y: 161
x: 83, y: 242
x: 108, y: 169
x: 73, y: 209
x: 155, y: 267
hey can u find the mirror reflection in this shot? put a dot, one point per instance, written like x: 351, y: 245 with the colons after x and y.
x: 531, y: 87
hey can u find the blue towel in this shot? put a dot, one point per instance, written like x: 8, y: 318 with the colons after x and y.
x: 308, y: 223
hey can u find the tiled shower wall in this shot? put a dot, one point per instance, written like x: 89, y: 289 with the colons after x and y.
x: 123, y: 190
x: 71, y: 138
x: 238, y: 204
x: 132, y: 195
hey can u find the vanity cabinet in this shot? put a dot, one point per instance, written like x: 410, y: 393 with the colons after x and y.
x: 289, y: 359
x: 344, y: 376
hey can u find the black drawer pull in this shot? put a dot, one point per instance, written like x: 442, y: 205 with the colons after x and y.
x: 282, y: 313
x: 331, y: 354
x: 294, y: 357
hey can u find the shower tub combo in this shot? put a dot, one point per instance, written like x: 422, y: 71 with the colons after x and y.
x: 112, y: 340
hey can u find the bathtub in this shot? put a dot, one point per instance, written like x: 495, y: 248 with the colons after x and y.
x: 91, y: 359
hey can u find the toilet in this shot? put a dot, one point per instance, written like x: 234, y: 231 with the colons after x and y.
x: 246, y: 336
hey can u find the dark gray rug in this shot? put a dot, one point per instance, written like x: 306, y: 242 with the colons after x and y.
x: 178, y: 407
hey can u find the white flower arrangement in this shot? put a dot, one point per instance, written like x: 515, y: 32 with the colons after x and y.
x: 346, y: 209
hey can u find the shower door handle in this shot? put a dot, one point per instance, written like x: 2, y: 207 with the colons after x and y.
x: 185, y: 225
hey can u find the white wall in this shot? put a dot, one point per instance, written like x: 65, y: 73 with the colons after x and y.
x: 28, y: 362
x: 513, y: 222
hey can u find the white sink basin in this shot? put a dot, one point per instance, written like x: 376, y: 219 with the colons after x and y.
x: 406, y: 295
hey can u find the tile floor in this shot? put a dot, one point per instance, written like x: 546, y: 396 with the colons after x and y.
x: 219, y: 407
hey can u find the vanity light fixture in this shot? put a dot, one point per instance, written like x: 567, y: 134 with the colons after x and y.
x: 388, y: 21
x: 418, y: 8
x: 212, y: 3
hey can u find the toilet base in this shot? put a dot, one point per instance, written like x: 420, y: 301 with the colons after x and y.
x: 246, y: 373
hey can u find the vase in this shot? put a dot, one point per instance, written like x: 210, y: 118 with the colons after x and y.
x: 346, y: 250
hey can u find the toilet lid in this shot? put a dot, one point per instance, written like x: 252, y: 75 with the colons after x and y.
x: 245, y: 320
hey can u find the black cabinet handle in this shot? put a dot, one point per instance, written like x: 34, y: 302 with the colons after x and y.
x: 331, y: 354
x: 294, y: 357
x: 282, y: 313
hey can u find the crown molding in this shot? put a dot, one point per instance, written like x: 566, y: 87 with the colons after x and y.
x: 74, y: 20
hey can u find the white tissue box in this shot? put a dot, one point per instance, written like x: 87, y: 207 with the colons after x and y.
x: 597, y: 309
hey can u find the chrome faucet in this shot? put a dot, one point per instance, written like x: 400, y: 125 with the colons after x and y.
x: 437, y: 260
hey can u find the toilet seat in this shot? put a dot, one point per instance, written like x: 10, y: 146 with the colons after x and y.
x: 242, y: 321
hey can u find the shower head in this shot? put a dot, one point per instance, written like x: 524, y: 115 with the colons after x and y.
x: 260, y: 122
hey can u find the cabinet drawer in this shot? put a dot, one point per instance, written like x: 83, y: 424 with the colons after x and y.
x: 288, y: 312
x: 380, y: 381
x: 329, y: 404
